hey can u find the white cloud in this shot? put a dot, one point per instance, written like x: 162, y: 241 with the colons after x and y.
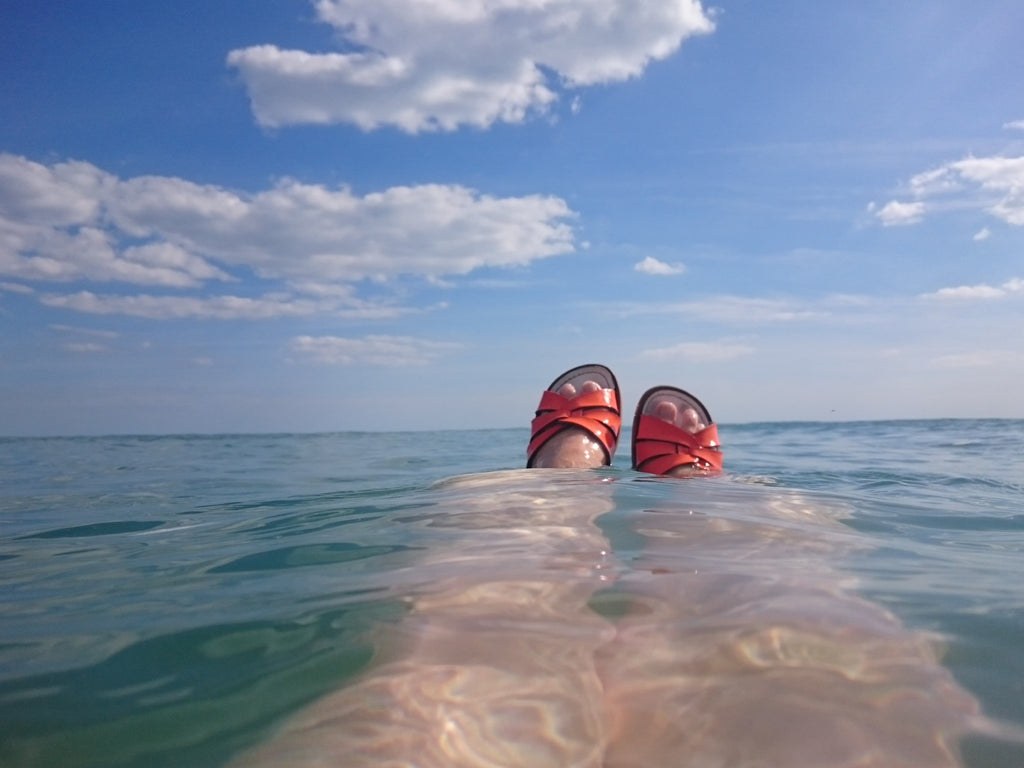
x: 371, y: 350
x: 225, y: 307
x: 895, y: 213
x: 1015, y: 125
x: 994, y: 184
x: 309, y: 232
x: 982, y: 234
x: 934, y: 182
x: 699, y: 352
x: 976, y: 292
x: 228, y: 307
x: 1004, y: 175
x: 653, y: 266
x: 71, y: 221
x: 438, y: 65
x: 84, y: 331
x: 178, y: 307
x: 738, y: 310
x: 849, y: 300
x: 1001, y: 173
x: 52, y: 228
x: 83, y: 347
x: 16, y: 288
x: 978, y: 359
x: 967, y: 292
x: 64, y: 194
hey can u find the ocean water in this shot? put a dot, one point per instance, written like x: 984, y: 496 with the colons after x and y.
x: 847, y: 593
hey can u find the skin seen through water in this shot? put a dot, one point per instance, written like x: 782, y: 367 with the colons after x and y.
x: 734, y: 642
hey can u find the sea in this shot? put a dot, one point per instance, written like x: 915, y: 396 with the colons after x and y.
x: 844, y: 594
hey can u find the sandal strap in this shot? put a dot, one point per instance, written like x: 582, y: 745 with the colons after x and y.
x: 660, y: 447
x: 596, y: 412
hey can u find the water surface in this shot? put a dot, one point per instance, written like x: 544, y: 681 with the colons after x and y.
x: 173, y: 600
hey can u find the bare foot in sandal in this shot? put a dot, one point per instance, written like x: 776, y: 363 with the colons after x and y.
x: 673, y: 434
x: 577, y: 422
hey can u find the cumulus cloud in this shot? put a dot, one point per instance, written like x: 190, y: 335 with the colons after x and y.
x: 1015, y: 125
x: 1002, y: 175
x: 652, y: 266
x: 699, y: 352
x: 73, y: 222
x: 441, y: 64
x: 371, y: 350
x: 994, y: 184
x: 982, y: 234
x: 895, y: 213
x: 975, y: 292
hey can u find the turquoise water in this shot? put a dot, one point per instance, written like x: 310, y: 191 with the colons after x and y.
x: 169, y: 601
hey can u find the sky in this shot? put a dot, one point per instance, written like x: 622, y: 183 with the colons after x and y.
x: 320, y: 215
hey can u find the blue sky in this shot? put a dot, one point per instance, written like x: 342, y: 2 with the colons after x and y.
x: 247, y: 216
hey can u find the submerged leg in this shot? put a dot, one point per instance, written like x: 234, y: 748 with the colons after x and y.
x: 744, y: 648
x: 494, y: 663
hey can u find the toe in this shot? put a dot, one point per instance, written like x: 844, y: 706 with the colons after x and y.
x: 666, y: 411
x: 691, y: 421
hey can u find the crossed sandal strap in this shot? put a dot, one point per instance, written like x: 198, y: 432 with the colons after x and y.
x: 672, y: 428
x: 660, y: 447
x: 596, y: 412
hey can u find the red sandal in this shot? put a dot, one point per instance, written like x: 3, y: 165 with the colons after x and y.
x: 595, y: 411
x: 672, y: 428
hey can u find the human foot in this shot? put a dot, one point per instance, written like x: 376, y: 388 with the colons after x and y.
x: 577, y: 422
x: 673, y: 434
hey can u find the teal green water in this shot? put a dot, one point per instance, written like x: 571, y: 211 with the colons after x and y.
x: 166, y: 601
